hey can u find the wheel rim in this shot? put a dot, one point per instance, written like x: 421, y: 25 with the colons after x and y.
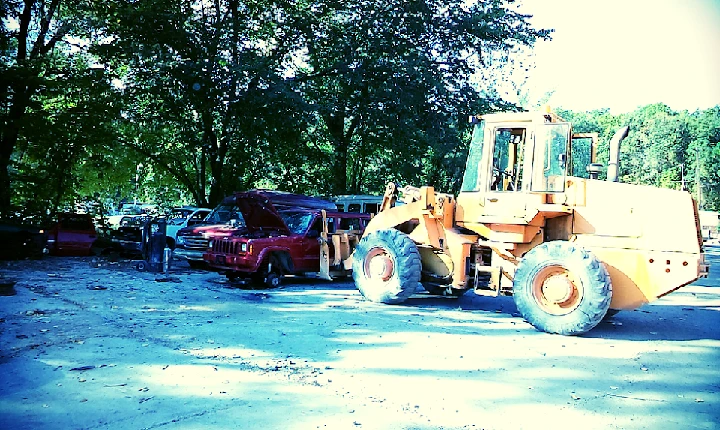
x: 378, y: 264
x: 557, y: 290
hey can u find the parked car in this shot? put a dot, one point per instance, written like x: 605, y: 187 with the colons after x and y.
x: 72, y: 234
x: 127, y: 238
x: 21, y: 240
x: 192, y: 241
x: 183, y: 217
x: 266, y: 244
x: 112, y: 222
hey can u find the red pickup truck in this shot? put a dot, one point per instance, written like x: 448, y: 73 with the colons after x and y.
x: 267, y: 243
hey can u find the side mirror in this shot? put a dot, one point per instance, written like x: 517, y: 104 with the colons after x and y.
x: 312, y: 234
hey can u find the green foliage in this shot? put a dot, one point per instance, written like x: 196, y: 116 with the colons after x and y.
x: 664, y: 148
x: 53, y: 104
x: 185, y: 101
x: 204, y: 97
x: 391, y: 81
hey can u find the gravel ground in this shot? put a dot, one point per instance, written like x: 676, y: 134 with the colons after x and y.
x: 99, y: 345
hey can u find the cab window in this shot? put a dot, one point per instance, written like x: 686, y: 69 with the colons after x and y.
x: 509, y: 145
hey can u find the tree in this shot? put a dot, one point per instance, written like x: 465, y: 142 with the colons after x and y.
x: 704, y: 151
x: 34, y: 44
x: 655, y: 152
x: 64, y: 151
x: 391, y: 81
x: 320, y: 97
x: 204, y: 92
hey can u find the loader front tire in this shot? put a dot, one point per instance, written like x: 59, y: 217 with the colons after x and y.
x: 386, y: 266
x: 561, y: 288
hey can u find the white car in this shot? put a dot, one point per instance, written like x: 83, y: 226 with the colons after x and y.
x: 183, y: 217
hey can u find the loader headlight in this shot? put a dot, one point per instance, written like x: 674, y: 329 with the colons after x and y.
x: 243, y: 247
x: 180, y: 240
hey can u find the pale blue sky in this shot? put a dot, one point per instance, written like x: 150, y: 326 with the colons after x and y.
x: 622, y: 54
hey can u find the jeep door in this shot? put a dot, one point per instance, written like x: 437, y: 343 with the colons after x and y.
x: 311, y: 245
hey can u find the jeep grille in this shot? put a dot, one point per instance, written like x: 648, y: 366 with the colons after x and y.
x: 225, y: 246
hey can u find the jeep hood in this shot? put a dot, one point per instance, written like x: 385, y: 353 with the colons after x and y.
x: 259, y: 213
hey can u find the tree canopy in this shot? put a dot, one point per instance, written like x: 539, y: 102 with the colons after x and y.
x: 186, y: 101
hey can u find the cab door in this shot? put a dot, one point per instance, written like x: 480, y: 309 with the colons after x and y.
x: 506, y: 195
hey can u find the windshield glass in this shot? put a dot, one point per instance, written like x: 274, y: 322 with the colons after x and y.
x: 176, y: 221
x: 223, y: 214
x: 297, y: 222
x: 179, y: 213
x: 550, y: 157
x: 472, y: 168
x: 77, y: 222
x: 581, y: 156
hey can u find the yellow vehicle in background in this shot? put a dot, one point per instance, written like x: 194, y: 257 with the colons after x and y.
x: 533, y: 221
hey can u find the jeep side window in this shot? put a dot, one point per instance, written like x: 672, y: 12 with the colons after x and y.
x: 297, y: 222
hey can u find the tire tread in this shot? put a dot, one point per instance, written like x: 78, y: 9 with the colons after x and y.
x: 407, y: 267
x: 597, y: 293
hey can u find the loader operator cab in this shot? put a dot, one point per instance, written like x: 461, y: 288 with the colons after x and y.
x: 510, y: 159
x: 515, y: 152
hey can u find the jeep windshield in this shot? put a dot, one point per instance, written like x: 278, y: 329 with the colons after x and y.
x: 297, y: 222
x: 226, y: 214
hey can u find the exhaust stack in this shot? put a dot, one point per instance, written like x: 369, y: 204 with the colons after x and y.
x: 613, y: 162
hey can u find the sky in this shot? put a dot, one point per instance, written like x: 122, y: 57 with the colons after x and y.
x: 622, y: 54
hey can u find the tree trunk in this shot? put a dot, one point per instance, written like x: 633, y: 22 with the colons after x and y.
x: 217, y: 151
x: 336, y: 128
x: 217, y: 192
x: 5, y: 151
x: 10, y: 133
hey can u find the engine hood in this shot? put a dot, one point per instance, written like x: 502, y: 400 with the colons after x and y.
x: 206, y: 230
x: 259, y: 213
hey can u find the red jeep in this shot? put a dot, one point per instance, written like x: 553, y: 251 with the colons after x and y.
x: 193, y: 241
x: 268, y: 243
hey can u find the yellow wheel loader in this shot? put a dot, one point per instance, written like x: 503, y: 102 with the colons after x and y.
x: 533, y: 220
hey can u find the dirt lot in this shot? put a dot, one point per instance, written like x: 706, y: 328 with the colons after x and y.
x: 110, y: 347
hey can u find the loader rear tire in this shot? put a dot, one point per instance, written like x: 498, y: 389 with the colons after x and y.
x: 386, y: 266
x: 561, y: 288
